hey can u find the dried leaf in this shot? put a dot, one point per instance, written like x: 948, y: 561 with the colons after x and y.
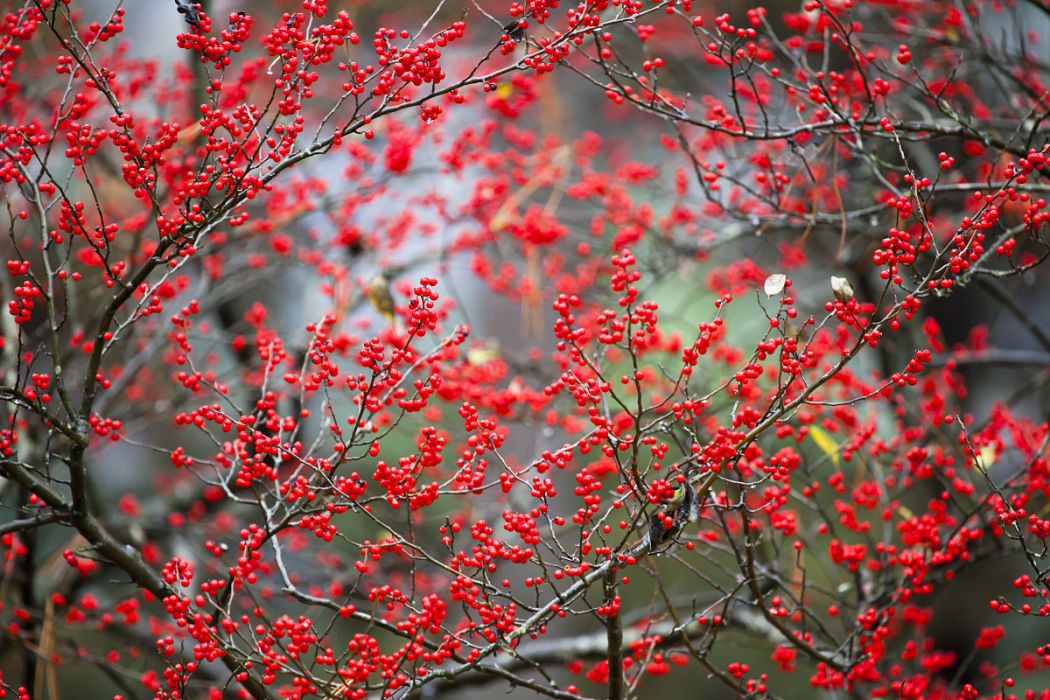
x: 842, y: 288
x: 190, y: 12
x: 774, y: 284
x: 514, y: 30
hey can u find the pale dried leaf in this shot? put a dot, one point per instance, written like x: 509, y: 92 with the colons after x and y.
x: 842, y: 288
x: 774, y: 284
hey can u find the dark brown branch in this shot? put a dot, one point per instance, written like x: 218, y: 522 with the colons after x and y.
x: 31, y: 523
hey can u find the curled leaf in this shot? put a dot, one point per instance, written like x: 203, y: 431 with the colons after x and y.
x: 775, y: 284
x: 842, y: 288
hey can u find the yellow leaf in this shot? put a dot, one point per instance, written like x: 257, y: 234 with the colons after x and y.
x: 480, y: 354
x: 825, y: 442
x: 985, y: 458
x: 503, y: 90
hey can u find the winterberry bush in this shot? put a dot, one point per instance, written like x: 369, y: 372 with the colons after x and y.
x: 734, y: 445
